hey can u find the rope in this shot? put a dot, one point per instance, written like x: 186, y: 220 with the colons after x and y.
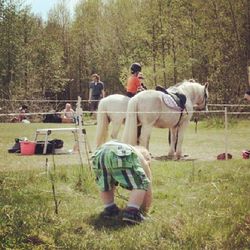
x: 44, y: 100
x: 228, y: 105
x: 58, y: 101
x: 119, y: 112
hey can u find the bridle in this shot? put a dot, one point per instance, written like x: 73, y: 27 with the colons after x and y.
x: 204, y: 100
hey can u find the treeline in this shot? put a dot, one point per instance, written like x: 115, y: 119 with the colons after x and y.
x: 172, y: 39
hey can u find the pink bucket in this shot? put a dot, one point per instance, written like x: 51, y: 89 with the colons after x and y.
x: 246, y: 154
x: 27, y: 147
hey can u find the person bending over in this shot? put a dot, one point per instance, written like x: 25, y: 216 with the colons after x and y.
x: 116, y: 163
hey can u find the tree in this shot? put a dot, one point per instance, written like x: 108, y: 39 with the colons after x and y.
x: 172, y: 39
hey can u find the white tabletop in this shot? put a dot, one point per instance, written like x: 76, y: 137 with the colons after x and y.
x: 56, y: 129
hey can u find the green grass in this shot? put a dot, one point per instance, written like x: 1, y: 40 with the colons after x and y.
x: 197, y: 204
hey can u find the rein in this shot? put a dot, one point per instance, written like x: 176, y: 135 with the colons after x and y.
x: 177, y: 124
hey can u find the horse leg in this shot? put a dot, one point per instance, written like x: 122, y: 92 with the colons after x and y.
x: 145, y: 135
x: 173, y: 138
x: 180, y: 140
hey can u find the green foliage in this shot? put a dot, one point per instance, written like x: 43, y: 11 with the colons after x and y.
x: 174, y: 40
x: 196, y: 205
x: 214, y: 121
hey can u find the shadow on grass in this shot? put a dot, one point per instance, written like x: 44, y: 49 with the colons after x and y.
x: 167, y: 158
x: 112, y: 224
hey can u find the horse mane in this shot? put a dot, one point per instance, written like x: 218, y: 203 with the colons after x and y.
x: 185, y: 82
x: 178, y: 84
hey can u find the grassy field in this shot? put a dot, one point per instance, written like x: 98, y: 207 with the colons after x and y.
x: 200, y: 203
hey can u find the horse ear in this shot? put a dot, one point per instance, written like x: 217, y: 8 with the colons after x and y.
x: 206, y: 85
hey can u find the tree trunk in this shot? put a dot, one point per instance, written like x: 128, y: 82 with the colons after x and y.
x: 248, y: 40
x: 248, y: 73
x: 163, y: 49
x: 174, y: 60
x: 154, y: 55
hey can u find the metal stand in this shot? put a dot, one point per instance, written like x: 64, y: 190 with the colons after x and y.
x: 47, y: 131
x: 83, y: 143
x: 80, y: 135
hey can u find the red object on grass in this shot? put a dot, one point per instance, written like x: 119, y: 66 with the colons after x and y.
x: 27, y: 147
x: 223, y: 156
x: 246, y: 154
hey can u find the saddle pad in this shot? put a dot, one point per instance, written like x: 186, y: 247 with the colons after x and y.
x: 170, y: 102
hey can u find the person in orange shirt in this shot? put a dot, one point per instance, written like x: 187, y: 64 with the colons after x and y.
x: 133, y: 83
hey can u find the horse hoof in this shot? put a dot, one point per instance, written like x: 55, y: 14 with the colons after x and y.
x: 170, y: 157
x: 178, y: 157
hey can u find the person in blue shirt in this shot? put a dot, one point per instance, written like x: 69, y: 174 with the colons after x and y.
x: 96, y: 92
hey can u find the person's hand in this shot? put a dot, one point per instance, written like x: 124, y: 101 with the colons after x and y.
x: 140, y: 89
x: 143, y: 86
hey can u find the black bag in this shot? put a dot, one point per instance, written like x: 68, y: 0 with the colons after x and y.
x: 40, y: 146
x: 52, y: 118
x: 16, y: 148
x: 51, y: 146
x: 57, y: 143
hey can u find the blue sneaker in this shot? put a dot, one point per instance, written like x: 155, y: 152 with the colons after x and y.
x: 110, y: 212
x: 133, y: 216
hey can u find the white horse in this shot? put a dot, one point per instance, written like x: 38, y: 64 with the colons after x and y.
x: 149, y: 110
x: 111, y: 109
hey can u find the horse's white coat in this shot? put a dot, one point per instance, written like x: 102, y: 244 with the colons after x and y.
x: 148, y: 110
x: 110, y: 109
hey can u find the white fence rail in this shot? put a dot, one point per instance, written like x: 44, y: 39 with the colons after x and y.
x: 222, y: 112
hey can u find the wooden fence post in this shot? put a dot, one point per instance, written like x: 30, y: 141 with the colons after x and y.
x: 226, y: 134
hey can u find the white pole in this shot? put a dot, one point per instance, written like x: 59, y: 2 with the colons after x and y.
x: 79, y: 113
x: 82, y: 138
x: 226, y: 134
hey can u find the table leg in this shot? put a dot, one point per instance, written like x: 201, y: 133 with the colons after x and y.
x: 46, y: 143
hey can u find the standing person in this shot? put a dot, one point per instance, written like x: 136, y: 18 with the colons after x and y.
x: 96, y: 92
x: 133, y: 83
x: 116, y: 163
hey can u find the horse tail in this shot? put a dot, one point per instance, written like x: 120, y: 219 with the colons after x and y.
x: 130, y: 130
x: 102, y: 124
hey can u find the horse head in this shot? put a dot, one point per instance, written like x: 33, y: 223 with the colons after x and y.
x: 196, y: 93
x: 202, y: 103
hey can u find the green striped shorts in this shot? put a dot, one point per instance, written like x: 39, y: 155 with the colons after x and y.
x: 111, y: 170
